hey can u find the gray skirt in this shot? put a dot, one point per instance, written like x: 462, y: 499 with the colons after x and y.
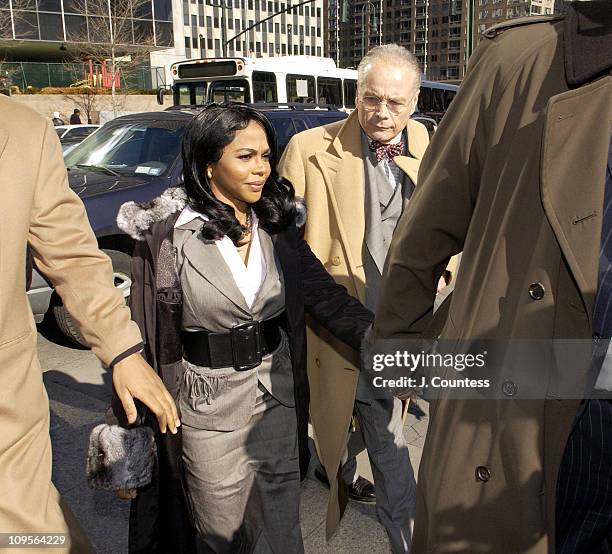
x: 244, y: 484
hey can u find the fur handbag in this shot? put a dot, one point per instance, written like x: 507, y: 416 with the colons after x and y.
x: 119, y: 458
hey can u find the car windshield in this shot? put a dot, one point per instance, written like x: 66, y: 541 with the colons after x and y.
x: 130, y: 148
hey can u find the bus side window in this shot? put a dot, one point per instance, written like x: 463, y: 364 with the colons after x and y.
x: 200, y: 93
x: 424, y: 103
x: 300, y: 88
x: 350, y: 90
x: 448, y: 98
x: 329, y: 91
x: 264, y: 87
x: 438, y: 100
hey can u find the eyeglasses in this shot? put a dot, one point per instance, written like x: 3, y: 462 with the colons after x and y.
x: 371, y: 103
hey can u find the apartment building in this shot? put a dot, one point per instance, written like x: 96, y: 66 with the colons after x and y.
x: 209, y: 28
x: 441, y: 33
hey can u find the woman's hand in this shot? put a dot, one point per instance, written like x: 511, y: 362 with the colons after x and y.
x: 134, y: 378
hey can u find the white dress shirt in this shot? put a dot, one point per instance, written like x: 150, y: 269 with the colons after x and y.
x: 249, y: 277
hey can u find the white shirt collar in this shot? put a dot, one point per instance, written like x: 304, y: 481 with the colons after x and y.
x: 394, y: 140
x: 188, y: 215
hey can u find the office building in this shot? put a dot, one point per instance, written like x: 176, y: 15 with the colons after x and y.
x: 441, y: 33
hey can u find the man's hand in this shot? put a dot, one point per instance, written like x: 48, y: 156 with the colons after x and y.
x: 134, y: 378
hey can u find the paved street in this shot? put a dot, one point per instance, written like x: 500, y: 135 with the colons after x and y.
x: 79, y: 393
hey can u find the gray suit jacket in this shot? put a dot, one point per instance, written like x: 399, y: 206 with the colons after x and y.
x: 223, y: 399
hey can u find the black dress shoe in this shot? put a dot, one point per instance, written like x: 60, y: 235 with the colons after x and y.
x: 361, y: 490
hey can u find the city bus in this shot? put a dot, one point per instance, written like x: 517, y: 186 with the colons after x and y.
x: 284, y: 79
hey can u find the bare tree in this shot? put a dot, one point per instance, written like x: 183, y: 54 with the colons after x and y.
x: 85, y: 98
x: 116, y: 38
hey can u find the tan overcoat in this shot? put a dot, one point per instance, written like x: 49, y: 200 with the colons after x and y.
x: 514, y: 177
x: 39, y: 208
x: 325, y: 165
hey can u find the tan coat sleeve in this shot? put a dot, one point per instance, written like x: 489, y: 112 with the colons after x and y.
x: 66, y: 251
x: 434, y: 226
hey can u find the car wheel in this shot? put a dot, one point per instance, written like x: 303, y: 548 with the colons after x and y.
x: 123, y: 281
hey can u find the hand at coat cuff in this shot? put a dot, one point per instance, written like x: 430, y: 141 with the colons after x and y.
x: 136, y: 348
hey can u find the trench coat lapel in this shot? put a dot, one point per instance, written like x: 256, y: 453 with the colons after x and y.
x: 342, y: 169
x: 572, y: 193
x: 208, y: 262
x: 416, y: 148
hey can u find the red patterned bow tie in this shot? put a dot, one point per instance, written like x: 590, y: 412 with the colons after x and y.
x: 386, y: 151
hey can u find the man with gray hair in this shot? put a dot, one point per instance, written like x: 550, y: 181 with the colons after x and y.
x: 357, y: 176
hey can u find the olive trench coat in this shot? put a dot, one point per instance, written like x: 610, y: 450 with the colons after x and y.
x: 514, y: 178
x: 39, y: 208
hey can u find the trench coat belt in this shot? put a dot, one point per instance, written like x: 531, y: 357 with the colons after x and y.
x: 242, y: 347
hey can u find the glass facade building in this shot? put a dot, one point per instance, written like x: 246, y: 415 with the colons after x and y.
x: 63, y: 21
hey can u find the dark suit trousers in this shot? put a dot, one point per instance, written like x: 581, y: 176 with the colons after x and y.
x: 584, y: 486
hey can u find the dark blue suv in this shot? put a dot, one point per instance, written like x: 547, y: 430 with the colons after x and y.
x: 136, y: 157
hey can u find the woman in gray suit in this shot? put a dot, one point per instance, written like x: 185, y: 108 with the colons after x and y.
x: 222, y: 282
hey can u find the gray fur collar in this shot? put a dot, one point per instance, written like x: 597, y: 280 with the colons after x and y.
x: 135, y: 219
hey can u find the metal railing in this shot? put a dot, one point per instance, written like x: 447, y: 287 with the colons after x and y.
x: 38, y: 75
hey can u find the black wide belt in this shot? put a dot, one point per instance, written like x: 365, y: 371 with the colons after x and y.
x: 242, y: 347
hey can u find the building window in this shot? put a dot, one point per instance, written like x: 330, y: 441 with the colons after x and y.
x: 283, y: 49
x: 209, y: 21
x: 209, y: 43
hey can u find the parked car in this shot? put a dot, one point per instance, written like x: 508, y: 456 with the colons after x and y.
x: 71, y: 135
x: 136, y: 157
x: 429, y: 122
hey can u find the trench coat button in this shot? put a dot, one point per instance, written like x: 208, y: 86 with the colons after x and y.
x: 318, y: 362
x: 483, y: 473
x: 509, y: 388
x: 536, y: 291
x: 336, y: 260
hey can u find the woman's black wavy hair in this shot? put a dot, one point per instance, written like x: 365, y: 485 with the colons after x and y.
x: 204, y: 140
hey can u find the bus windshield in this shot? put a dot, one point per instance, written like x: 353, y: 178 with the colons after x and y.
x: 190, y: 93
x: 231, y: 90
